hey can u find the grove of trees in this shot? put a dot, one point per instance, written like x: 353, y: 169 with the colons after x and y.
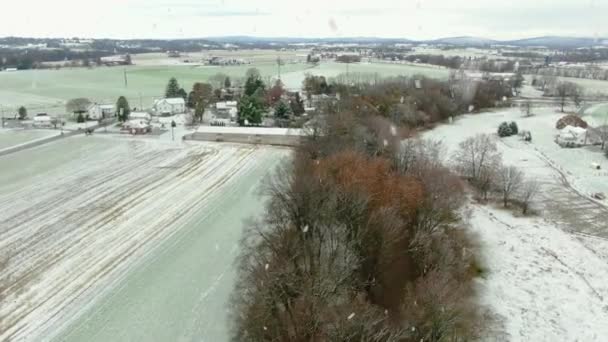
x: 361, y: 239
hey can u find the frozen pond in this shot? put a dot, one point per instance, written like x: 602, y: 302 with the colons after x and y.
x: 111, y: 238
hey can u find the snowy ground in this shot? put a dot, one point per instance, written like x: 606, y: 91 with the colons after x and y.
x: 547, y: 276
x: 250, y: 130
x: 114, y: 238
x: 14, y: 137
x: 543, y: 284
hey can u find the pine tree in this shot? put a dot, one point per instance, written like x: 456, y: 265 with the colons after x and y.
x: 250, y: 110
x: 282, y: 111
x: 122, y: 109
x: 172, y: 90
x: 191, y: 101
x: 22, y: 113
x: 504, y: 130
x: 182, y: 93
x: 227, y: 83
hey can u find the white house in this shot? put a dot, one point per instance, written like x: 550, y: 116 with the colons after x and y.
x: 140, y: 116
x: 137, y: 127
x: 43, y: 120
x: 170, y: 106
x: 226, y: 110
x: 101, y: 111
x: 571, y: 136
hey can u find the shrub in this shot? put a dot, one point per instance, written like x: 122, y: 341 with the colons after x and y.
x: 504, y: 130
x: 514, y: 128
x: 571, y: 120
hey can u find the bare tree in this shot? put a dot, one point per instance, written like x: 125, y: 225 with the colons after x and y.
x: 510, y: 180
x: 602, y: 132
x: 529, y: 190
x: 78, y: 105
x: 476, y: 155
x: 565, y: 90
x: 526, y: 108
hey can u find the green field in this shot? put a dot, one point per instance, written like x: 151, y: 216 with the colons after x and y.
x: 48, y: 90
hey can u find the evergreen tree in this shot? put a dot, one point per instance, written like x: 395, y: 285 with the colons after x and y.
x: 282, y: 111
x: 191, y: 101
x: 514, y: 128
x: 250, y: 110
x: 22, y: 113
x: 504, y: 130
x: 182, y: 93
x: 122, y: 106
x: 172, y: 90
x: 80, y: 118
x: 254, y: 82
x: 227, y: 83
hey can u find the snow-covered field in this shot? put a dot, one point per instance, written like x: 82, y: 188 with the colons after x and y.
x: 14, y: 137
x: 250, y: 130
x: 547, y: 276
x: 543, y: 284
x: 112, y: 238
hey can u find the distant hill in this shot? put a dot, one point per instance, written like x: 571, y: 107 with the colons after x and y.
x: 549, y: 41
x: 557, y: 42
x: 464, y: 41
x: 294, y: 40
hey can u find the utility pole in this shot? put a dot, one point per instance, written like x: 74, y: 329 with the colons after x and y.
x: 279, y: 66
x: 126, y: 81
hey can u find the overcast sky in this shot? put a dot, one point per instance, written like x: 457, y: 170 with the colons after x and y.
x: 417, y: 19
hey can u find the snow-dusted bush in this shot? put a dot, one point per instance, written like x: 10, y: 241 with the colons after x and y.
x: 504, y: 130
x: 514, y: 128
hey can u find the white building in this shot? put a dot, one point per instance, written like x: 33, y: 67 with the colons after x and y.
x: 140, y: 116
x: 571, y: 136
x: 137, y: 127
x: 101, y: 111
x: 170, y: 106
x: 43, y: 121
x: 226, y: 110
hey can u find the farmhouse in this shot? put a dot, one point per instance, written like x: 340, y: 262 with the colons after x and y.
x: 137, y: 126
x: 42, y: 120
x: 226, y: 110
x: 101, y: 111
x: 170, y: 106
x: 571, y: 136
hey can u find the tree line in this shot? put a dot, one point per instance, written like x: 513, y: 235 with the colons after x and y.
x: 362, y: 238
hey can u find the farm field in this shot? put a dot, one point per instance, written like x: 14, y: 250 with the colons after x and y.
x: 253, y: 56
x: 106, y: 235
x: 591, y: 87
x: 14, y: 137
x: 48, y: 90
x: 546, y: 275
x: 293, y: 80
